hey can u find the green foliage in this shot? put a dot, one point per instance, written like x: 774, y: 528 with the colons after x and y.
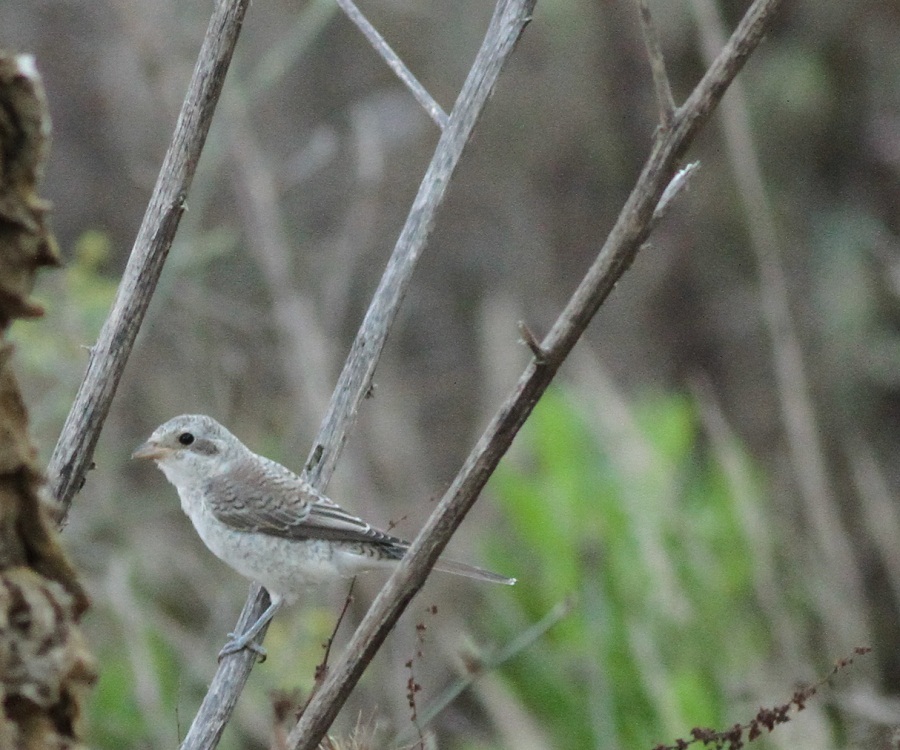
x: 53, y: 353
x: 642, y: 526
x: 115, y: 717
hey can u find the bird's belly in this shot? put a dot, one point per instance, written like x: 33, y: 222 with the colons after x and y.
x: 286, y: 567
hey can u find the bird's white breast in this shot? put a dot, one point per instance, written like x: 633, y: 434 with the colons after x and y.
x: 286, y: 567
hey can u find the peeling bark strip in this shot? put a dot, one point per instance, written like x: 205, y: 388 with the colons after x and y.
x: 45, y: 668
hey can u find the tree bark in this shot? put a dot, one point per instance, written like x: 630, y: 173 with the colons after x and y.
x: 45, y: 667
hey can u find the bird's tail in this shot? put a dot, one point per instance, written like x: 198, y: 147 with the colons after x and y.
x: 470, y: 571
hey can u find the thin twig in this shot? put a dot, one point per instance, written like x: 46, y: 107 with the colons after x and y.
x: 322, y: 669
x: 661, y: 85
x: 434, y: 110
x: 531, y: 341
x: 475, y: 667
x: 75, y: 448
x: 355, y: 380
x: 766, y: 719
x: 617, y: 253
x: 322, y: 666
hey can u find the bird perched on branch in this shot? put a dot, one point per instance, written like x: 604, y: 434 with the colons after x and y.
x: 266, y: 522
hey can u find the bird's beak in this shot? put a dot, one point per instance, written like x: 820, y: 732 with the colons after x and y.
x: 151, y: 450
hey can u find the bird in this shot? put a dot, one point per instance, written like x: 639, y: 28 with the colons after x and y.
x: 266, y: 522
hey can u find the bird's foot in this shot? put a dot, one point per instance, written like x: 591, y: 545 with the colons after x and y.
x: 238, y: 643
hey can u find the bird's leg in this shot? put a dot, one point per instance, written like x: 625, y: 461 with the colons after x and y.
x: 245, y: 640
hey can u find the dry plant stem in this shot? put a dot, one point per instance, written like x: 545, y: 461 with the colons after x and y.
x: 767, y: 718
x: 617, y: 253
x: 356, y: 378
x: 797, y: 412
x: 75, y: 448
x: 231, y: 676
x: 434, y: 110
x: 657, y: 65
x: 475, y: 667
x: 322, y: 668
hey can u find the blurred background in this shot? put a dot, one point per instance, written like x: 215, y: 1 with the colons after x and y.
x: 702, y: 514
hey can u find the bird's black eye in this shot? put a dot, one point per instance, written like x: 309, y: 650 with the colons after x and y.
x: 185, y: 438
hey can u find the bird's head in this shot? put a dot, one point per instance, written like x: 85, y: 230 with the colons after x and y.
x: 191, y: 448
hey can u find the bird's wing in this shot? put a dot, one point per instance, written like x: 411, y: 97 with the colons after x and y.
x: 265, y: 497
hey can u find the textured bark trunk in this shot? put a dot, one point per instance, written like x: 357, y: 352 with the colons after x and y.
x: 45, y: 667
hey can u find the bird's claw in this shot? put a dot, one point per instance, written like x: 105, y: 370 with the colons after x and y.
x: 238, y: 643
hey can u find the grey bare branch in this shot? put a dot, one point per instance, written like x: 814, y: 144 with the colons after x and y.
x: 661, y: 84
x: 434, y: 110
x: 510, y: 18
x: 628, y: 234
x: 74, y: 450
x: 505, y: 27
